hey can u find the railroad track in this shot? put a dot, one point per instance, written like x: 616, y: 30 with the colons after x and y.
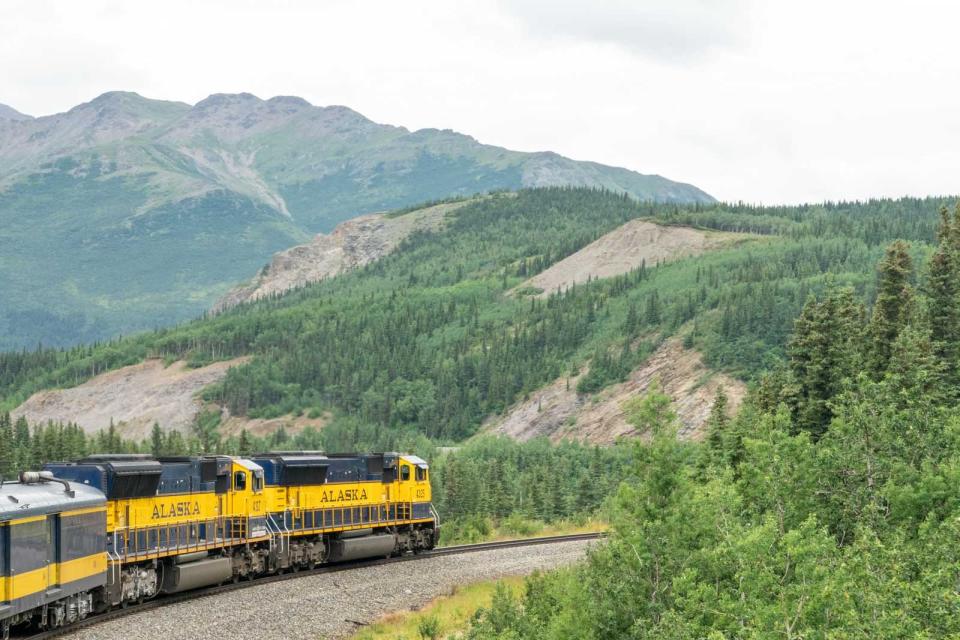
x: 167, y: 600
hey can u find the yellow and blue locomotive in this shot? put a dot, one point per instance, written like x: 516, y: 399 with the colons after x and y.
x: 109, y: 530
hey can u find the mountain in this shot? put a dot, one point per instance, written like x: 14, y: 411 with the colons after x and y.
x: 445, y: 332
x: 127, y: 213
x: 9, y: 113
x: 400, y: 304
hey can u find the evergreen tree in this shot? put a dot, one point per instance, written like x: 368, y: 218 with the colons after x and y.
x: 824, y: 352
x: 175, y: 445
x: 718, y: 420
x: 7, y: 448
x: 943, y: 291
x: 244, y: 447
x: 156, y: 441
x: 23, y: 444
x: 893, y: 305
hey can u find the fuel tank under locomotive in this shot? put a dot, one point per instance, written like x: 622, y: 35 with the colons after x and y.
x: 200, y: 570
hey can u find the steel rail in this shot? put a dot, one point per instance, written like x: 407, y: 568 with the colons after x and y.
x: 205, y: 592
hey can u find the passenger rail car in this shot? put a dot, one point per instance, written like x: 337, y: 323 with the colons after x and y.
x: 52, y: 551
x: 113, y: 529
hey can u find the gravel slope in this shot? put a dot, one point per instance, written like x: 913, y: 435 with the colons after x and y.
x: 329, y: 606
x: 626, y: 248
x: 560, y: 413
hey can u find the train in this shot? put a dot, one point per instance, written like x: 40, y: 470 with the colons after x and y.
x: 79, y: 538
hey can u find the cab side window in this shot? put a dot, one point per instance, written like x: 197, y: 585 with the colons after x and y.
x: 421, y: 474
x: 239, y: 481
x: 405, y: 473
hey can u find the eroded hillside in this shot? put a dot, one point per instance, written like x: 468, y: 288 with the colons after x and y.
x: 558, y: 412
x: 352, y: 244
x: 636, y: 243
x: 133, y: 398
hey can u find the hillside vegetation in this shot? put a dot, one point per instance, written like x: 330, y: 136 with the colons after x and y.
x: 828, y: 508
x: 424, y: 341
x: 125, y: 213
x: 835, y: 478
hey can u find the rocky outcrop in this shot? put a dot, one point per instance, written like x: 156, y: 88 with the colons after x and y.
x: 352, y: 244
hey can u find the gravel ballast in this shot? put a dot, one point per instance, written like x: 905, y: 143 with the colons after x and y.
x: 331, y: 605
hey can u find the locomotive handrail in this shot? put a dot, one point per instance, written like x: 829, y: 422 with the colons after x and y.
x: 139, y: 543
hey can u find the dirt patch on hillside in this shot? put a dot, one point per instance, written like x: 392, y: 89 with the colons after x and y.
x: 133, y: 397
x: 350, y: 245
x: 558, y: 412
x: 262, y: 427
x: 627, y: 248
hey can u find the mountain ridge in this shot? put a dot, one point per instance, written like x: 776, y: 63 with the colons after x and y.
x: 127, y: 213
x: 9, y: 113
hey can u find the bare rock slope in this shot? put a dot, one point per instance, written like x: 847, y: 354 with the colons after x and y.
x: 350, y: 245
x: 626, y: 248
x: 133, y: 398
x: 559, y: 413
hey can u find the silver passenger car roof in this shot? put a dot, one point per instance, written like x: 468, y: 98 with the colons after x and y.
x: 40, y: 498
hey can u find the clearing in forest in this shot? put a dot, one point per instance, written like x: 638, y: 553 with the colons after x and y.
x: 133, y: 397
x: 626, y: 248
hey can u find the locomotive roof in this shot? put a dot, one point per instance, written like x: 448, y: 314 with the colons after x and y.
x: 249, y: 465
x: 420, y: 462
x: 19, y: 500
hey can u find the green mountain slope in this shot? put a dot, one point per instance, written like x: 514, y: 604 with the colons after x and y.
x: 427, y: 340
x: 127, y: 213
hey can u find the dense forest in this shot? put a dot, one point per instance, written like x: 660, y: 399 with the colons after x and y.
x: 829, y: 507
x: 425, y: 341
x: 416, y: 350
x: 488, y: 480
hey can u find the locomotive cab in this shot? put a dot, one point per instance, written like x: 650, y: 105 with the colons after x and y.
x: 247, y: 498
x: 413, y: 479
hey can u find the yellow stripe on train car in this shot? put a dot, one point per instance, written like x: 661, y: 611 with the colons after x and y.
x: 27, y: 520
x: 83, y: 568
x: 31, y: 582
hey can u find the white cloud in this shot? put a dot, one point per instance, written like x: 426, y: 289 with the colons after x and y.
x: 669, y: 30
x: 771, y: 102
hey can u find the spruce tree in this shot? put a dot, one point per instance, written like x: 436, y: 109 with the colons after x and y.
x: 7, y: 450
x: 893, y: 305
x: 718, y: 420
x: 244, y: 447
x: 943, y: 293
x: 825, y: 350
x: 23, y: 444
x: 156, y: 440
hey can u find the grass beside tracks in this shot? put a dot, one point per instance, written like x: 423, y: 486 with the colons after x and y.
x: 441, y: 618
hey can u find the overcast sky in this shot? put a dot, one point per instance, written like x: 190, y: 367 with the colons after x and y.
x: 759, y: 101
